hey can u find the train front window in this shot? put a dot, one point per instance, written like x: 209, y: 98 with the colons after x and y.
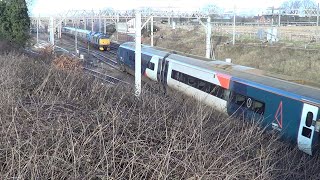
x: 309, y: 119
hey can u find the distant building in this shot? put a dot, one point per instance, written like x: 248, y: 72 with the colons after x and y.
x: 263, y: 19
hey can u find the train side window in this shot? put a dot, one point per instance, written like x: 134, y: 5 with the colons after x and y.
x: 214, y: 90
x: 208, y: 88
x: 175, y: 75
x: 226, y: 94
x: 309, y: 119
x: 192, y: 81
x: 220, y: 92
x: 151, y: 65
x: 258, y: 107
x: 201, y: 85
x: 240, y: 100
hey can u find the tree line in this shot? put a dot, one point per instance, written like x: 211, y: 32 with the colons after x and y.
x: 14, y: 21
x: 299, y: 4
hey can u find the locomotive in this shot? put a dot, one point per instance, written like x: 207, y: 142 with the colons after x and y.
x: 290, y: 108
x: 96, y: 39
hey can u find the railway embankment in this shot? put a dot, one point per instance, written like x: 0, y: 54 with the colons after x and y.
x: 58, y: 124
x: 301, y: 60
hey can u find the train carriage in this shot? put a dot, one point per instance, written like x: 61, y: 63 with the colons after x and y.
x: 290, y: 108
x: 98, y: 40
x: 287, y: 107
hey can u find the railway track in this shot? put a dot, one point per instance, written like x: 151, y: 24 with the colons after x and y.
x: 108, y: 58
x: 104, y: 58
x: 104, y: 77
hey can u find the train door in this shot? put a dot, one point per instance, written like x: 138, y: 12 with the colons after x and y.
x: 151, y: 70
x: 307, y: 135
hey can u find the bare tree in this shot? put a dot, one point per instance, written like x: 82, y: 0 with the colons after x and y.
x: 211, y: 9
x: 299, y: 4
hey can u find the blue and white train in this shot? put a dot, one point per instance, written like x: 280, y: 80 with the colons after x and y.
x: 96, y: 39
x: 292, y: 109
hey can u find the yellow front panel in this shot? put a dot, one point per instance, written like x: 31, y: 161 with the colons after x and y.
x: 104, y: 42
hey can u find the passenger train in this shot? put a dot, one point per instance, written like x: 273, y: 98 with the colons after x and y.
x: 292, y: 109
x: 96, y: 39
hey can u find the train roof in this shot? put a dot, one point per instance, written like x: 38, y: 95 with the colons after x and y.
x: 78, y: 30
x: 269, y: 81
x: 98, y: 34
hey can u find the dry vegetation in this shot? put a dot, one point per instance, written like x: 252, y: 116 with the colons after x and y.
x: 64, y: 62
x: 299, y: 63
x: 65, y: 125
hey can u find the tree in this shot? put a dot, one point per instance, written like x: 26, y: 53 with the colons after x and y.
x: 3, y: 19
x: 211, y: 9
x: 15, y: 21
x: 299, y: 4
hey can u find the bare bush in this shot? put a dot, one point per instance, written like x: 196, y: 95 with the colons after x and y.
x: 65, y: 125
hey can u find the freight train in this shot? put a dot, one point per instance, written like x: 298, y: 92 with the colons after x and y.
x: 96, y: 39
x: 292, y: 109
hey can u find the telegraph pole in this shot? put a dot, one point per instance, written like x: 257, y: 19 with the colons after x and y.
x: 208, y: 44
x: 51, y: 31
x: 76, y: 39
x: 92, y: 24
x: 234, y: 26
x: 105, y: 26
x: 99, y: 22
x: 318, y: 15
x: 138, y: 55
x: 279, y: 24
x: 151, y: 31
x: 272, y: 26
x: 38, y: 29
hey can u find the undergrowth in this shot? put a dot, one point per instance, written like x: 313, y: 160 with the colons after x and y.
x: 67, y: 125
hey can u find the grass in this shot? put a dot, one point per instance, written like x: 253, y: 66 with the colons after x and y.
x: 294, y: 61
x: 66, y: 125
x: 297, y: 63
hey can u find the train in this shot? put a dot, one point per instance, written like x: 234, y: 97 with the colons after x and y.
x: 96, y: 39
x: 292, y: 109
